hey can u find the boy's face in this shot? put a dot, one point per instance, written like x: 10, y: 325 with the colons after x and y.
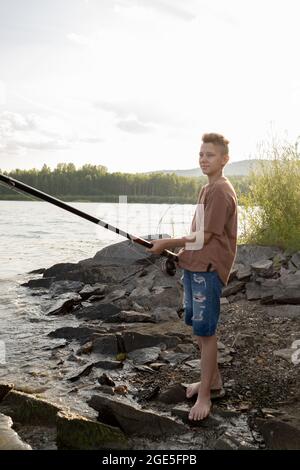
x: 211, y: 159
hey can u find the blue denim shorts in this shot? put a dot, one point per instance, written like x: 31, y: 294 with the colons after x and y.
x: 202, y: 292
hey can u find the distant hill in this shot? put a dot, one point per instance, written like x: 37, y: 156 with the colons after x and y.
x: 240, y: 168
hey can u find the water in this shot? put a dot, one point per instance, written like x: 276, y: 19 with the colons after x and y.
x: 37, y: 235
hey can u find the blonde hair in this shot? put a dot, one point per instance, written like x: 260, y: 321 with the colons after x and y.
x: 217, y: 139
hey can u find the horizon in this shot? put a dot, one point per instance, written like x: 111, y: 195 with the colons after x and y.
x: 133, y: 85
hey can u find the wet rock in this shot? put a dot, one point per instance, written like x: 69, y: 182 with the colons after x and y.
x: 279, y: 435
x: 4, y: 389
x: 64, y: 304
x: 81, y: 334
x: 133, y: 340
x: 108, y: 364
x: 94, y: 290
x: 227, y: 442
x: 25, y: 408
x: 37, y: 271
x: 77, y: 432
x: 106, y: 344
x: 86, y: 348
x: 233, y: 288
x: 84, y: 372
x: 61, y: 287
x: 98, y: 311
x: 9, y: 439
x: 131, y: 316
x: 161, y: 314
x: 39, y: 283
x: 132, y: 419
x: 145, y: 355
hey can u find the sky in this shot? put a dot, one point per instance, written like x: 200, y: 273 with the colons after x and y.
x: 133, y: 84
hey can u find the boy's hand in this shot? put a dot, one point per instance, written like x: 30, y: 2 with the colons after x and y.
x: 158, y: 246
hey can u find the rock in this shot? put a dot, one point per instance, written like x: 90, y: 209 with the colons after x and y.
x: 182, y: 412
x: 81, y: 334
x: 145, y: 355
x: 98, y: 311
x: 226, y: 442
x: 133, y: 340
x: 243, y: 273
x: 84, y: 372
x: 115, y: 295
x: 263, y: 268
x: 64, y: 304
x: 132, y: 419
x: 186, y: 348
x: 161, y: 314
x: 157, y: 365
x: 108, y: 364
x: 106, y: 344
x: 86, y: 348
x: 248, y: 254
x: 174, y: 358
x: 76, y: 432
x: 286, y: 311
x: 104, y: 379
x: 39, y: 283
x: 94, y: 290
x: 279, y: 435
x: 233, y: 288
x: 223, y: 301
x: 28, y: 409
x: 121, y: 389
x: 243, y: 339
x: 290, y: 355
x: 4, y: 389
x: 38, y: 271
x: 131, y: 316
x: 295, y: 259
x: 174, y: 394
x: 194, y: 364
x: 62, y: 287
x: 253, y: 291
x: 9, y: 439
x: 105, y: 389
x: 140, y: 292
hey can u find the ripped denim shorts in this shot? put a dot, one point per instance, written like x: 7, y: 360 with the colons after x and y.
x: 202, y: 292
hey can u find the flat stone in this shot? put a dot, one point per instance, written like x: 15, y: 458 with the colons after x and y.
x: 133, y: 420
x: 145, y: 355
x: 64, y: 304
x: 106, y: 344
x: 76, y: 432
x: 98, y: 311
x: 94, y: 290
x: 182, y: 412
x: 62, y: 287
x: 81, y: 334
x: 174, y: 358
x: 28, y: 409
x: 133, y: 340
x: 132, y: 317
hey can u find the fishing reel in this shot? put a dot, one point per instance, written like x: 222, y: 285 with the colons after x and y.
x: 168, y: 266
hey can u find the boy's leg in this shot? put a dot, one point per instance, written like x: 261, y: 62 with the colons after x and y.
x: 206, y: 291
x: 216, y: 384
x: 201, y: 409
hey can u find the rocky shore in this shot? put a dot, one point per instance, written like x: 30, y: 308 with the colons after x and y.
x: 130, y: 356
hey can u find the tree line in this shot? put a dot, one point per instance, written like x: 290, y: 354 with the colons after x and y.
x: 95, y: 183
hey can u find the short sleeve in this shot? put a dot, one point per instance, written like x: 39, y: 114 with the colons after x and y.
x: 216, y: 212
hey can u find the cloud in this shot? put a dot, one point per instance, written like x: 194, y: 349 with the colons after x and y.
x: 19, y: 133
x: 133, y: 126
x: 79, y: 39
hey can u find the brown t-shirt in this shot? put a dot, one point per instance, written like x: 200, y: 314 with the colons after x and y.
x: 220, y: 218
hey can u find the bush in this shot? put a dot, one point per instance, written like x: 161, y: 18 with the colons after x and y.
x: 272, y: 205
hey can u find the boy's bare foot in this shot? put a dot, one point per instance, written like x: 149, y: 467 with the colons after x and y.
x: 201, y: 409
x: 193, y: 389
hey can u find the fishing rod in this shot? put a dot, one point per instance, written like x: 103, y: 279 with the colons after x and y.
x: 168, y: 265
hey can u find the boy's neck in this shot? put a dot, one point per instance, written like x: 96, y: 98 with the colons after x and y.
x: 213, y: 178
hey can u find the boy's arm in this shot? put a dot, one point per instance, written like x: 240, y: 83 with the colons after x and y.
x: 169, y: 243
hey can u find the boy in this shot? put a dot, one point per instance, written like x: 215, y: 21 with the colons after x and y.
x: 207, y: 259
